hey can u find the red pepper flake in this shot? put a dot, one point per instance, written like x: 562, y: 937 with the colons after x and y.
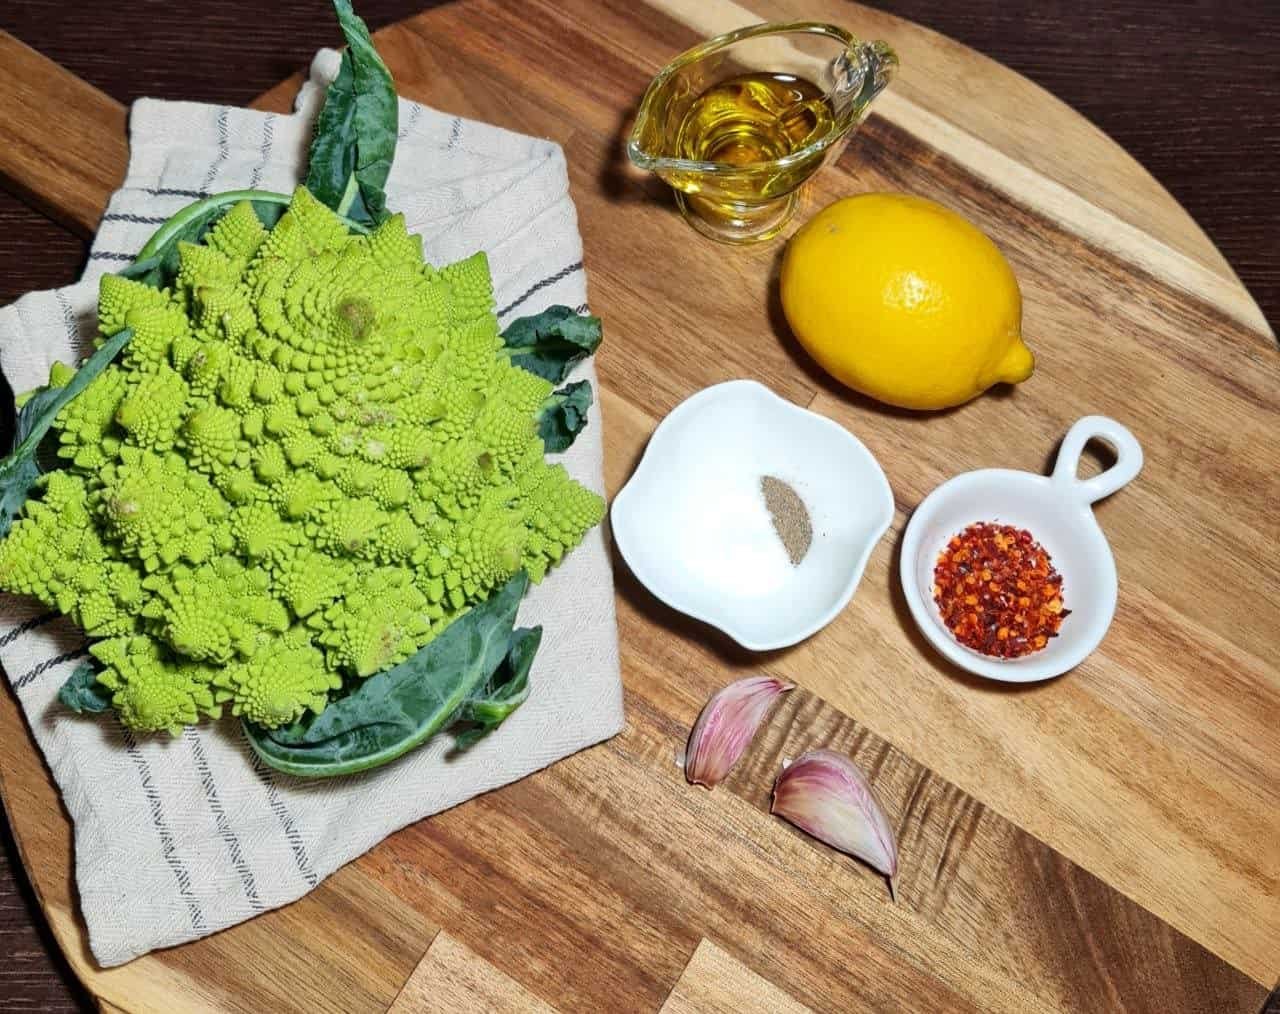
x: 997, y: 590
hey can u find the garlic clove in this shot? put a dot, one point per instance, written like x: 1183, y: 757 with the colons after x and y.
x: 726, y: 727
x: 826, y: 795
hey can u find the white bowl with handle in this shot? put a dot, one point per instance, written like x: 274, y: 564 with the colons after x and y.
x: 693, y: 527
x: 1058, y: 512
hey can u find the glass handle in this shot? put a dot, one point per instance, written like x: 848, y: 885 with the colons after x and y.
x: 861, y: 73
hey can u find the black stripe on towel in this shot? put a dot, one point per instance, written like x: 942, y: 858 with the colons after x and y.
x: 41, y: 668
x: 174, y: 192
x: 538, y: 286
x: 224, y: 148
x: 415, y: 111
x: 9, y: 636
x: 180, y: 872
x: 110, y: 255
x: 225, y: 831
x: 264, y: 149
x: 120, y: 216
x: 69, y: 319
x: 287, y: 825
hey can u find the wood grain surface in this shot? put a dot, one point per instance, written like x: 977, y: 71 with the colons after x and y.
x: 1110, y: 840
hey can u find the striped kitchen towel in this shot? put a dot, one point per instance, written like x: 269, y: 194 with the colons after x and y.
x: 178, y: 838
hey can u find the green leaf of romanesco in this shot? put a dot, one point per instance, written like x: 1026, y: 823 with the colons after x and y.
x: 552, y: 342
x: 506, y: 690
x: 564, y: 415
x: 83, y: 694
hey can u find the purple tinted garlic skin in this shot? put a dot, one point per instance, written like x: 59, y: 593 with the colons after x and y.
x: 827, y: 796
x: 726, y: 727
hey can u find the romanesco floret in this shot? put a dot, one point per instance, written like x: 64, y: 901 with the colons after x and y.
x: 310, y: 580
x: 238, y: 233
x: 118, y: 297
x: 216, y: 611
x: 158, y: 511
x: 155, y: 329
x: 381, y: 620
x: 57, y: 557
x: 309, y: 460
x: 283, y: 678
x: 153, y: 409
x: 154, y: 689
x: 87, y: 421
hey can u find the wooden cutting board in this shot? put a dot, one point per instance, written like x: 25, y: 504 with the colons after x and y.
x: 1109, y: 840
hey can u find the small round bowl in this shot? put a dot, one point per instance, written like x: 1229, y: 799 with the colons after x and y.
x: 692, y: 524
x: 1057, y: 511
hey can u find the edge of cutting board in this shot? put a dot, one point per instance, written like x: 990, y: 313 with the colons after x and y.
x: 29, y: 794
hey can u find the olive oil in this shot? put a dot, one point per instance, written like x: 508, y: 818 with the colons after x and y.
x: 754, y: 118
x: 738, y: 152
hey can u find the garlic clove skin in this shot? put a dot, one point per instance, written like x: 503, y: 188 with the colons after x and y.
x: 826, y: 795
x: 726, y: 727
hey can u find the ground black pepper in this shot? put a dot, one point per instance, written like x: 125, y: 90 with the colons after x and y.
x: 789, y: 515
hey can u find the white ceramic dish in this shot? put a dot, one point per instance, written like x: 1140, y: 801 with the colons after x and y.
x: 1058, y: 511
x: 692, y: 524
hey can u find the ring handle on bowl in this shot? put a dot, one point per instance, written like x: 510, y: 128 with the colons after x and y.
x: 1097, y: 427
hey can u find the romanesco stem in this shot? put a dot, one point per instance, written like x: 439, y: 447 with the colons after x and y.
x: 348, y: 195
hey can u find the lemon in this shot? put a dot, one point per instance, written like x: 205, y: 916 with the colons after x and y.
x: 904, y: 300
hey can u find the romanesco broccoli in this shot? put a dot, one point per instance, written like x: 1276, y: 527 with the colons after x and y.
x: 309, y: 460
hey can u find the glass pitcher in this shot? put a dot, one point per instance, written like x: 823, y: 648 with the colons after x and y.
x: 736, y: 178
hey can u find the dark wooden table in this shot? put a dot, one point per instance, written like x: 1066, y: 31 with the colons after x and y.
x: 1190, y: 89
